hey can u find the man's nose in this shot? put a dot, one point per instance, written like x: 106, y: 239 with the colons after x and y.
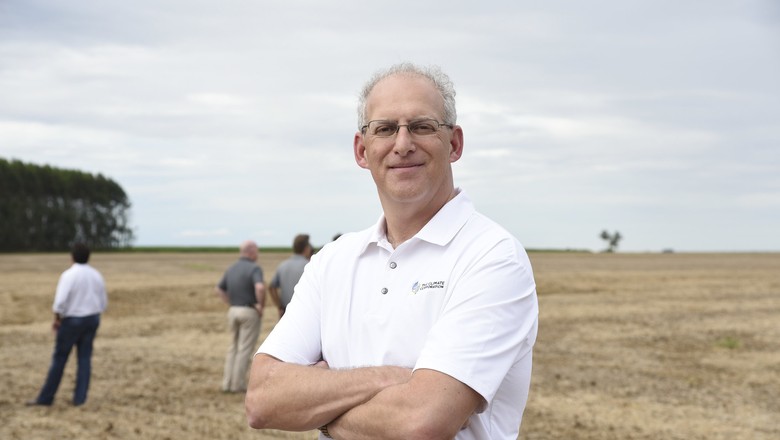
x: 404, y: 144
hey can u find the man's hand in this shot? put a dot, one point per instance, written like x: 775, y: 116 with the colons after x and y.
x: 55, y: 325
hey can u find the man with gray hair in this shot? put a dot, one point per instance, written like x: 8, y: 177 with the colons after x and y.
x: 241, y: 287
x: 421, y: 326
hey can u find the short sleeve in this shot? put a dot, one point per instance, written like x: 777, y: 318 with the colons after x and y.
x: 275, y: 280
x: 257, y: 275
x: 222, y: 284
x: 62, y: 294
x: 488, y: 323
x: 296, y: 338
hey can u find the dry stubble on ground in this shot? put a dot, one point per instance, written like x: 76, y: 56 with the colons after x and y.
x: 631, y: 346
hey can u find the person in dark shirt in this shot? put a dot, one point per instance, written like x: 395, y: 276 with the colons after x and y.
x: 242, y: 288
x: 289, y: 272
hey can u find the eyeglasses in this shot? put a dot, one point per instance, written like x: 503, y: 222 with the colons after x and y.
x: 420, y: 127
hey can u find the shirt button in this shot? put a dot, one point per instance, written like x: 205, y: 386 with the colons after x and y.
x: 393, y: 265
x: 384, y: 291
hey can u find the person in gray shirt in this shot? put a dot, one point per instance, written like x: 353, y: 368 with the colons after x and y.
x: 242, y: 288
x: 289, y: 272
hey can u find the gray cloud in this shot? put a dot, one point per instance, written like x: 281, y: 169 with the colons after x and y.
x: 657, y: 119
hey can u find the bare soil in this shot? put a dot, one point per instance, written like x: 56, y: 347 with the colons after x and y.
x: 631, y: 346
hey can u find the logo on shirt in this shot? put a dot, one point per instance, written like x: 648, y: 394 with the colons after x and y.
x: 419, y: 287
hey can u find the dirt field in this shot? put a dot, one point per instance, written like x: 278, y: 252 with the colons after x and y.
x: 631, y: 346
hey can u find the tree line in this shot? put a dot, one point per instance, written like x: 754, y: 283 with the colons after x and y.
x: 43, y: 208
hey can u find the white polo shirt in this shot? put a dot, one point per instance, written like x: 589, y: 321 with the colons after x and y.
x: 459, y: 297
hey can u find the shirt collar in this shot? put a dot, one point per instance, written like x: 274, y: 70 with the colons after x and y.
x: 439, y: 230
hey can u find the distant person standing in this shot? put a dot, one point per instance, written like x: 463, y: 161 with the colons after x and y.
x: 242, y: 288
x: 78, y: 302
x: 289, y: 272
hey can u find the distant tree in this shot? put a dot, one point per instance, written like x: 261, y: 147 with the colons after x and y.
x: 612, y: 240
x: 46, y: 209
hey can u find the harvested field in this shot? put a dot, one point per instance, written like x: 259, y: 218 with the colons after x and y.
x: 631, y: 346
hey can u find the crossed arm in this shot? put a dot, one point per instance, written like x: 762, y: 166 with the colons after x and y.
x: 361, y: 403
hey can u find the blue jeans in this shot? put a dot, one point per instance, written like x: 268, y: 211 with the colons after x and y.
x: 80, y: 332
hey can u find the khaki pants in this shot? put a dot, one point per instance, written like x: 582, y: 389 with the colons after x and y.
x: 244, y: 324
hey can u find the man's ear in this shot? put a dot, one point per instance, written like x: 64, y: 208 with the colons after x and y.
x: 359, y: 149
x: 456, y: 143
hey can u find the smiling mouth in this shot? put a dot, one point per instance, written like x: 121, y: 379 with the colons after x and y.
x: 405, y: 166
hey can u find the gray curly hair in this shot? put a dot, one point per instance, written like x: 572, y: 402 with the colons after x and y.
x: 432, y: 73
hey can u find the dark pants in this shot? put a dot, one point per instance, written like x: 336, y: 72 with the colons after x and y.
x: 81, y: 333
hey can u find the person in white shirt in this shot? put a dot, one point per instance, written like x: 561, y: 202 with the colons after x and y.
x: 421, y: 326
x: 78, y: 302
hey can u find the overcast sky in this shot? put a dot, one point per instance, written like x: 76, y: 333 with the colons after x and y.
x: 232, y: 120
